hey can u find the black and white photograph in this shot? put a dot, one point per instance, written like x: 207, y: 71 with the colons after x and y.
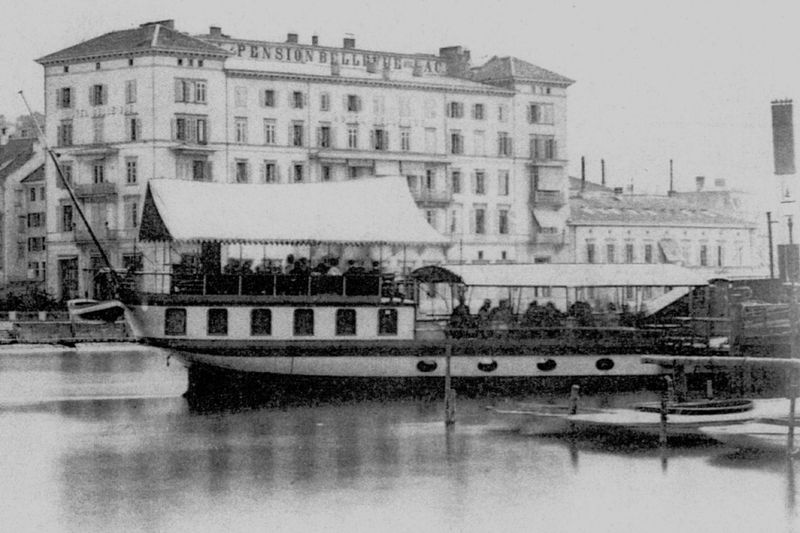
x: 386, y: 266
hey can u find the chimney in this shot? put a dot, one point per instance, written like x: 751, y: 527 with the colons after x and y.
x: 783, y: 136
x: 603, y: 172
x: 314, y: 40
x: 457, y: 61
x: 671, y: 190
x: 349, y: 41
x: 215, y: 32
x: 291, y: 38
x: 583, y: 173
x: 700, y: 182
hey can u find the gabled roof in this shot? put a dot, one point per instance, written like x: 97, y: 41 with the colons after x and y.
x: 590, y: 186
x: 604, y: 208
x: 151, y: 37
x: 35, y: 176
x: 358, y: 212
x: 15, y: 154
x: 504, y: 68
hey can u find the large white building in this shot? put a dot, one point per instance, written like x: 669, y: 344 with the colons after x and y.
x: 483, y: 148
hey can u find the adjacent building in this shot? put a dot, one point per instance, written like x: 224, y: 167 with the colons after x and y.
x: 607, y: 226
x: 23, y: 231
x: 483, y: 147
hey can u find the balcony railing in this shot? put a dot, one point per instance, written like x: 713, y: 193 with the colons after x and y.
x: 557, y: 238
x: 91, y: 190
x: 426, y: 196
x: 82, y: 235
x: 547, y: 198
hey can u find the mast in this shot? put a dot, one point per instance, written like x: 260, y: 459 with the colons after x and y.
x: 78, y: 208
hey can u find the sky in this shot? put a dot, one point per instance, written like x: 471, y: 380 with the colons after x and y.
x: 690, y: 81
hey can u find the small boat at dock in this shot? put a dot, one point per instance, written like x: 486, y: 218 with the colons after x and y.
x: 683, y: 419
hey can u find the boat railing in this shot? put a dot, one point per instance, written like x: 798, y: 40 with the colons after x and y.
x: 361, y: 285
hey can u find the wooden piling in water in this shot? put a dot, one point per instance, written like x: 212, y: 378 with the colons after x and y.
x: 449, y: 394
x: 681, y: 382
x: 666, y: 396
x: 709, y: 389
x: 574, y: 394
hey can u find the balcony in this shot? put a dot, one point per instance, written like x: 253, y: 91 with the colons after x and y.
x: 432, y: 197
x: 556, y: 239
x: 541, y: 198
x: 104, y: 234
x: 96, y: 190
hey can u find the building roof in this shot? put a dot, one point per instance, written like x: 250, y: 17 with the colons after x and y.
x: 508, y: 67
x: 359, y: 212
x: 14, y: 154
x: 150, y: 37
x: 35, y: 176
x: 566, y: 275
x: 590, y: 186
x: 603, y: 208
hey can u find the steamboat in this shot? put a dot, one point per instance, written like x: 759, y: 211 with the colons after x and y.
x: 269, y: 328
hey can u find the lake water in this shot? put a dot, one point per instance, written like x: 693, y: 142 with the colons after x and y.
x: 103, y: 441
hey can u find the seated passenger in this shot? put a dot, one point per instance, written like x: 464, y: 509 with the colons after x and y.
x: 501, y: 318
x: 333, y: 269
x: 460, y: 320
x: 354, y: 269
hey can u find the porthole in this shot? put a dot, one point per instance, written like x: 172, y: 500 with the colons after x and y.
x: 604, y: 364
x: 426, y: 366
x: 546, y: 365
x: 487, y: 365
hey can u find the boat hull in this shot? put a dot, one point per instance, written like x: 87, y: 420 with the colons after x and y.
x: 756, y: 435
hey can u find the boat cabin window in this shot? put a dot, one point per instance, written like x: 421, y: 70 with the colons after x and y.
x: 303, y: 321
x: 261, y: 322
x: 175, y: 321
x: 387, y: 321
x: 345, y: 321
x: 217, y: 321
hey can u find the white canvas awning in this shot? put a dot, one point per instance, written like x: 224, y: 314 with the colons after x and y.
x: 572, y: 275
x: 360, y: 212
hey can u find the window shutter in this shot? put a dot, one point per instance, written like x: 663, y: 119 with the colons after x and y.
x: 59, y: 135
x: 104, y: 94
x: 509, y: 146
x: 138, y: 129
x: 174, y: 126
x: 91, y: 95
x: 472, y: 215
x: 319, y: 137
x: 191, y: 130
x: 344, y: 103
x: 305, y: 100
x: 290, y: 138
x: 372, y: 139
x: 277, y: 173
x: 332, y: 136
x: 178, y: 91
x: 358, y: 103
x: 386, y: 145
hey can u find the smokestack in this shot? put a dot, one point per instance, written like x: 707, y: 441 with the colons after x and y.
x: 314, y: 40
x: 349, y: 41
x: 603, y: 172
x: 215, y: 32
x: 783, y: 136
x: 583, y: 173
x: 291, y: 38
x: 671, y: 183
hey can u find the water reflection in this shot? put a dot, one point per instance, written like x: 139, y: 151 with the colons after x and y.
x: 121, y: 459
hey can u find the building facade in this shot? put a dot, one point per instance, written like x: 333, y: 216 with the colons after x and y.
x: 607, y: 226
x: 23, y: 230
x: 483, y: 148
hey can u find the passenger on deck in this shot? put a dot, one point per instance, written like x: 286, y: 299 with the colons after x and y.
x: 376, y: 270
x: 354, y: 269
x: 321, y: 269
x: 553, y: 318
x: 289, y: 266
x: 582, y: 313
x: 501, y: 318
x: 534, y: 316
x: 333, y: 270
x: 460, y: 320
x: 483, y: 317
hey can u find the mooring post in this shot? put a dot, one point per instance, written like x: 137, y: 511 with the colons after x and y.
x: 449, y: 394
x: 681, y: 382
x: 793, y: 390
x: 666, y: 396
x: 709, y: 389
x: 574, y: 394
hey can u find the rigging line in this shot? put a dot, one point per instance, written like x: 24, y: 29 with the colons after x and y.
x: 68, y: 187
